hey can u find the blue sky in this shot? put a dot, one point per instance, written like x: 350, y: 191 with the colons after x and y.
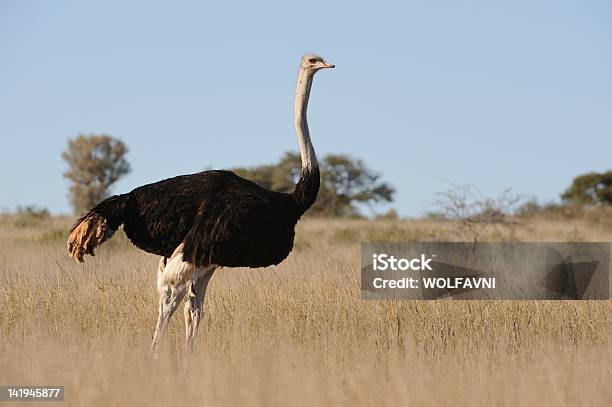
x: 499, y: 94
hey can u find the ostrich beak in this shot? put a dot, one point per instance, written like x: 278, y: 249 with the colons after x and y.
x: 328, y: 65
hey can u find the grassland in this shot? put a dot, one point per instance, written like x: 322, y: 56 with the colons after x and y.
x: 294, y: 335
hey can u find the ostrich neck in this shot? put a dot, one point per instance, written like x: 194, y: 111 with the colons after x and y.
x: 307, y: 187
x: 302, y: 93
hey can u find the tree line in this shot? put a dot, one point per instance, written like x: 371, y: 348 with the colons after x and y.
x: 97, y: 162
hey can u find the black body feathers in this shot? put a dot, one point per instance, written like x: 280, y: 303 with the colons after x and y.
x: 219, y: 217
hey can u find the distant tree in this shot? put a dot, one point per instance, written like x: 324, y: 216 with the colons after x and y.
x: 95, y: 163
x: 286, y: 172
x: 345, y: 182
x: 261, y: 174
x: 593, y: 188
x: 278, y: 177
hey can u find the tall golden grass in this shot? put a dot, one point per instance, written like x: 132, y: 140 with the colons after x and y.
x: 294, y: 335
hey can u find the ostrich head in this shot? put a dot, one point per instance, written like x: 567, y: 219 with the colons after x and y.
x: 312, y: 63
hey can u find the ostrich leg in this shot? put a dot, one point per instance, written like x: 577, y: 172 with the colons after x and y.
x: 195, y: 302
x: 172, y: 286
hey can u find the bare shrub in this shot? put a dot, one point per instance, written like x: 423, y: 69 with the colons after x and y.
x: 30, y: 215
x: 475, y: 215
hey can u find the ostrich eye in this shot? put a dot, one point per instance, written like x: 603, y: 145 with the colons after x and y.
x: 312, y: 60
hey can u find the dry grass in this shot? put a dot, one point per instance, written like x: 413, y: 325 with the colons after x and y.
x: 298, y: 334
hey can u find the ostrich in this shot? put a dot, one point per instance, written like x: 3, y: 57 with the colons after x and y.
x: 203, y: 221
